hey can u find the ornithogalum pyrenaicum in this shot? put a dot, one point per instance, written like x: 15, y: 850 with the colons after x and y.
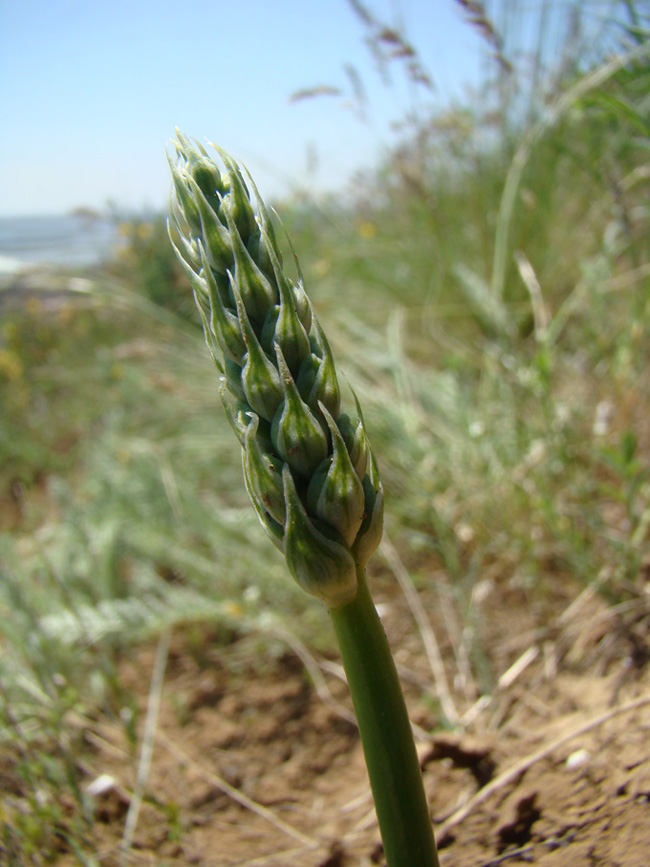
x: 309, y: 470
x: 308, y: 467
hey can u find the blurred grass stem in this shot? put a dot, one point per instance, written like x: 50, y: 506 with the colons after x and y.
x: 556, y: 111
x: 148, y: 739
x: 431, y: 646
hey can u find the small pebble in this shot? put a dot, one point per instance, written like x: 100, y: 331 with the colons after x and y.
x: 101, y: 784
x: 578, y: 758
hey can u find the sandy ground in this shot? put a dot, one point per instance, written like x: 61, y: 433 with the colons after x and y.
x: 264, y: 767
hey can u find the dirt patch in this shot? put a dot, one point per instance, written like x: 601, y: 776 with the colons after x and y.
x: 573, y: 791
x: 259, y: 767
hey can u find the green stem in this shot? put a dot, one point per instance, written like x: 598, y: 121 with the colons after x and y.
x: 386, y: 735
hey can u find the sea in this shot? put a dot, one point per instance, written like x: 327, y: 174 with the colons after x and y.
x: 67, y: 240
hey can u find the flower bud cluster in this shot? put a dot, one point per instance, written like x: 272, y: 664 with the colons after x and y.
x: 308, y: 467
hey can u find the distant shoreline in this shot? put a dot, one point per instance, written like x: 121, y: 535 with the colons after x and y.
x: 55, y: 241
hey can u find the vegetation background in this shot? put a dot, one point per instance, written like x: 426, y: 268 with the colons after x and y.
x: 486, y: 290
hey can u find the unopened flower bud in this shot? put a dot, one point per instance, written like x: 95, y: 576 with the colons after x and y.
x: 335, y: 493
x: 222, y: 322
x: 325, y: 389
x: 290, y: 334
x: 254, y: 287
x: 372, y: 526
x: 237, y: 206
x: 258, y: 247
x: 356, y: 439
x: 263, y: 473
x: 203, y: 170
x: 260, y: 379
x: 322, y: 566
x: 214, y: 235
x: 296, y: 432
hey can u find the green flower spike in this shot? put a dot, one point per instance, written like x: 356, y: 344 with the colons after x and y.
x: 308, y: 468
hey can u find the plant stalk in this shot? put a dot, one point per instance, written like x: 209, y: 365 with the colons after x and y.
x: 386, y: 734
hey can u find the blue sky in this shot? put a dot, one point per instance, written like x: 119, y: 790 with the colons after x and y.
x: 91, y: 91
